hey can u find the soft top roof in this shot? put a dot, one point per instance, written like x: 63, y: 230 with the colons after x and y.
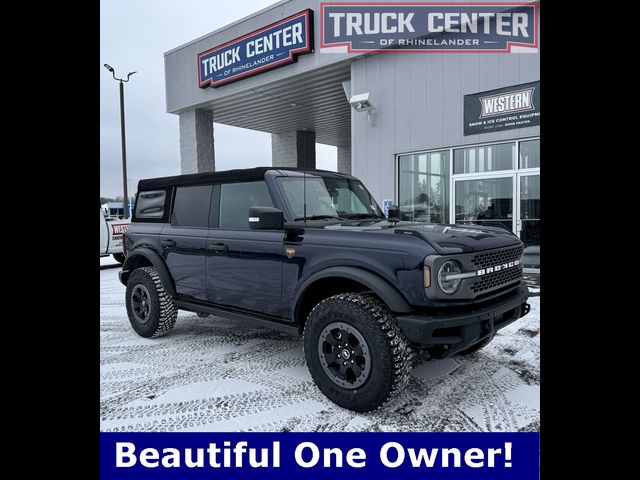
x: 237, y: 175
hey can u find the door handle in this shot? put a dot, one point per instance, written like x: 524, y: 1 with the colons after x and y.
x: 168, y: 243
x: 218, y: 247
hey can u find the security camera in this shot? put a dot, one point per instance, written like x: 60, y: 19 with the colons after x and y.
x: 361, y: 102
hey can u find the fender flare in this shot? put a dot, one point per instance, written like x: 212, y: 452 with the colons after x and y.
x: 381, y: 287
x: 156, y: 261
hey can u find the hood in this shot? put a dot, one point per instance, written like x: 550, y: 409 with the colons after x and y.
x: 445, y: 239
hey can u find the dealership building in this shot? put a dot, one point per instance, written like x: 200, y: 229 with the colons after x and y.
x: 435, y: 108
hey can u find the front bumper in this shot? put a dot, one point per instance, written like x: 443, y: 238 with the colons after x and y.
x: 456, y: 332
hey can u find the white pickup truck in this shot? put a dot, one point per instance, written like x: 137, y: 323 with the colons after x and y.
x: 111, y: 231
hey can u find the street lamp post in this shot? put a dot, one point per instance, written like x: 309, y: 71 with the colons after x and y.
x: 125, y: 196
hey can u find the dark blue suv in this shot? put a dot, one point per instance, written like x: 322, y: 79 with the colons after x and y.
x: 310, y: 252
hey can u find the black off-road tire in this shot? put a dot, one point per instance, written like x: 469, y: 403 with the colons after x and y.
x: 119, y: 257
x: 391, y: 355
x: 162, y: 312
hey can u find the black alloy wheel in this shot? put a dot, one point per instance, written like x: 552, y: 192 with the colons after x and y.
x: 141, y: 303
x: 344, y: 355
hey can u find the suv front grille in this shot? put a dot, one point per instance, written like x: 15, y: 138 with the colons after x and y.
x: 501, y: 278
x: 498, y: 279
x: 497, y: 257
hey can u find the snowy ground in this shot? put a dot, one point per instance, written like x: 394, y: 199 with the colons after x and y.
x: 215, y: 374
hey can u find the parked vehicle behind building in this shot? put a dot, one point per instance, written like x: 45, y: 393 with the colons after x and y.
x: 111, y: 232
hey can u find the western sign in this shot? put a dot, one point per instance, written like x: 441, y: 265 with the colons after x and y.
x: 270, y: 47
x: 508, y: 102
x: 502, y: 109
x: 428, y: 27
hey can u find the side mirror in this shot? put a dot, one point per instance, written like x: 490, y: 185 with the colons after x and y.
x: 265, y: 218
x: 393, y: 214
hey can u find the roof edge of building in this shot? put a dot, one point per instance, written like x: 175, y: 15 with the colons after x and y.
x: 222, y: 29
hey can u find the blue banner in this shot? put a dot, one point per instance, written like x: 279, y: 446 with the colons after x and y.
x: 362, y: 27
x: 436, y: 456
x: 270, y: 47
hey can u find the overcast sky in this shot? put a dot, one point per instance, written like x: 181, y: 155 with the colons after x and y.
x: 134, y: 34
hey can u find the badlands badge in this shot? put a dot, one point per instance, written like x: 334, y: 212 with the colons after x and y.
x: 290, y: 252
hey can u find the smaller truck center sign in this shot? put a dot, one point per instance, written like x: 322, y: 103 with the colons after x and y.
x: 270, y: 47
x: 502, y: 109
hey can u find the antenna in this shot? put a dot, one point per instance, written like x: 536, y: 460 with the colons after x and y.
x: 304, y: 194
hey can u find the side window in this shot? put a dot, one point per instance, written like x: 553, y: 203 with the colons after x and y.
x: 235, y: 200
x: 191, y: 206
x: 151, y: 204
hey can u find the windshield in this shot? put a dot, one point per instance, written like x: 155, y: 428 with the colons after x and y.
x: 328, y: 198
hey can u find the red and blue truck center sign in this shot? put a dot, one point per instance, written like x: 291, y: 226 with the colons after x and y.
x: 270, y: 47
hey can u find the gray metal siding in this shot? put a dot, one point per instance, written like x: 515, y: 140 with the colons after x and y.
x: 419, y: 100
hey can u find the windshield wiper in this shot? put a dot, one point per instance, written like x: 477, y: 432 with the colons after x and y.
x: 317, y: 217
x: 362, y: 215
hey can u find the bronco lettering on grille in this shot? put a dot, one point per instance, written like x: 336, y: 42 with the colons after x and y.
x: 497, y: 268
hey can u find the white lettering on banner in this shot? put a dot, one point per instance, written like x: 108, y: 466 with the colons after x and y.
x: 386, y: 27
x: 308, y: 455
x: 372, y: 23
x: 331, y: 457
x: 431, y: 24
x: 336, y: 22
x: 287, y: 37
x: 354, y: 20
x: 416, y: 42
x: 507, y: 23
x: 507, y: 103
x: 221, y: 60
x: 521, y: 24
x: 248, y: 65
x: 502, y: 21
x: 392, y: 455
x: 125, y: 458
x: 215, y: 456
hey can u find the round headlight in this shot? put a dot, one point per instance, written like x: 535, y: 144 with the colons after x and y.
x: 449, y: 285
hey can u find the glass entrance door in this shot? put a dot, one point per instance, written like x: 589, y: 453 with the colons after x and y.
x: 485, y: 201
x: 487, y: 184
x: 528, y: 218
x: 489, y: 201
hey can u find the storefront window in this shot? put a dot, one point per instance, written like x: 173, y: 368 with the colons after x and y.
x: 530, y: 219
x: 530, y: 154
x: 424, y: 187
x: 496, y: 185
x: 485, y: 202
x: 486, y: 158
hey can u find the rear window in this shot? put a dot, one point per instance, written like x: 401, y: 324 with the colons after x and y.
x: 235, y: 200
x: 191, y: 206
x: 150, y: 205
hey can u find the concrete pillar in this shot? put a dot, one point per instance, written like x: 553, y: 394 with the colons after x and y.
x: 293, y: 149
x: 196, y: 141
x: 344, y: 158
